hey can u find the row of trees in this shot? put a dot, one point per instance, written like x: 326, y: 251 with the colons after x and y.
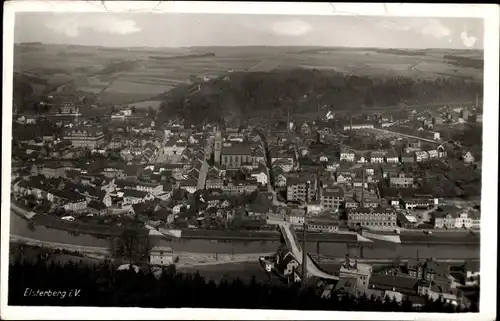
x: 103, y: 286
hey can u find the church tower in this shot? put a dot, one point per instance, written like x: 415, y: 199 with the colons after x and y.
x: 217, y: 148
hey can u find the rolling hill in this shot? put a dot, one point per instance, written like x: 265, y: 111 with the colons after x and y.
x: 131, y: 75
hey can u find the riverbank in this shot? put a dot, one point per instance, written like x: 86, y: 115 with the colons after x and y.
x: 193, y: 259
x: 186, y: 259
x: 104, y: 231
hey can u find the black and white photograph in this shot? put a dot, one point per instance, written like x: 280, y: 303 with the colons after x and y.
x: 266, y: 161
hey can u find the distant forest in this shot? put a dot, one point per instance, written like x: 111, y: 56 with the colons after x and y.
x: 465, y: 61
x: 120, y: 66
x: 245, y: 94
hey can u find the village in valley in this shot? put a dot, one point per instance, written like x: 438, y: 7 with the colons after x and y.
x: 334, y: 178
x: 172, y: 176
x: 389, y: 173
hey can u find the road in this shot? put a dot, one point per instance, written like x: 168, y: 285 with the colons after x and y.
x: 407, y: 107
x: 185, y: 258
x: 202, y: 177
x: 414, y: 66
x: 246, y: 270
x: 391, y: 133
x: 162, y: 157
x: 255, y: 66
x: 291, y: 242
x: 60, y: 246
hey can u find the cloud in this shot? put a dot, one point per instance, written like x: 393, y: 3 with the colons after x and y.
x: 293, y: 28
x: 72, y: 27
x: 427, y: 27
x: 467, y: 40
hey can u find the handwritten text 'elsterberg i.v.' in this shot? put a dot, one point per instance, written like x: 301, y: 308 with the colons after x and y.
x: 52, y: 293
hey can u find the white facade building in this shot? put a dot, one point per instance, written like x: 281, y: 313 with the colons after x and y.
x: 161, y: 255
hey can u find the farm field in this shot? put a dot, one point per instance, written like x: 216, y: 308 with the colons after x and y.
x: 154, y: 71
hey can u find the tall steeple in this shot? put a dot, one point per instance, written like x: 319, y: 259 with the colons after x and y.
x: 217, y: 147
x: 76, y: 115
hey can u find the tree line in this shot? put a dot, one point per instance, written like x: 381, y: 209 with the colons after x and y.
x: 245, y: 94
x: 103, y: 286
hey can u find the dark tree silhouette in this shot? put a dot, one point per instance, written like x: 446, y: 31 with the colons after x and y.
x: 102, y: 285
x: 131, y: 246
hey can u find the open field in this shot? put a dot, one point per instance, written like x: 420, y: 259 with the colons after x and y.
x: 127, y: 75
x: 155, y: 104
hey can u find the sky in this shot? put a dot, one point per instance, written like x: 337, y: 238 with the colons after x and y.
x: 185, y: 30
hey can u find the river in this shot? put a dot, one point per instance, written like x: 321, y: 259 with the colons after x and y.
x: 376, y: 250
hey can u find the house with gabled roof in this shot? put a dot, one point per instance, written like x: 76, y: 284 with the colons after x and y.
x: 260, y: 174
x: 96, y: 207
x: 189, y: 185
x: 70, y: 200
x: 187, y: 154
x: 214, y: 182
x: 194, y: 173
x: 341, y: 178
x: 468, y: 158
x: 441, y: 151
x: 433, y: 154
x: 132, y: 196
x: 132, y: 172
x: 175, y: 147
x: 377, y: 157
x: 392, y: 157
x: 421, y: 156
x: 213, y: 172
x: 92, y: 193
x: 347, y: 155
x: 259, y: 208
x: 332, y: 166
x: 280, y: 179
x: 52, y: 169
x: 407, y: 158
